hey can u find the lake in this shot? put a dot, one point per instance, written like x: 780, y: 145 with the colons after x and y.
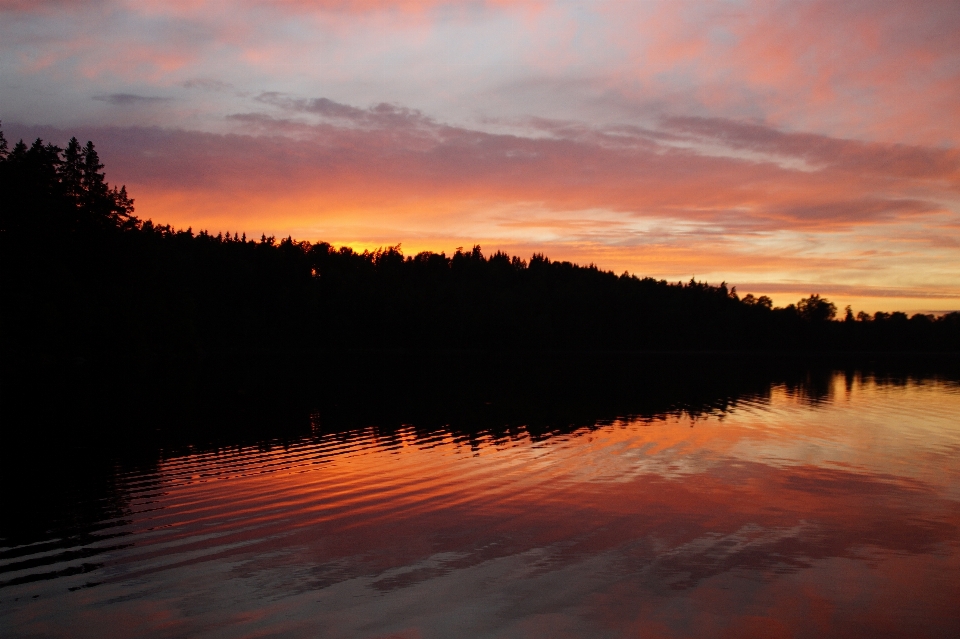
x: 827, y: 504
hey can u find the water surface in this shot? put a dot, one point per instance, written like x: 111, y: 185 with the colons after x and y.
x: 786, y: 512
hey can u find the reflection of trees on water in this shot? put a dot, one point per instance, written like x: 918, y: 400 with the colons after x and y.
x: 61, y: 509
x: 66, y: 489
x: 819, y: 386
x: 551, y: 393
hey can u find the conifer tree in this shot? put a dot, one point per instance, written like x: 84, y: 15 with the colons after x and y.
x: 71, y: 171
x: 92, y: 179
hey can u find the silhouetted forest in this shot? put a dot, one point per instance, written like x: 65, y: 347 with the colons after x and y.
x: 82, y: 276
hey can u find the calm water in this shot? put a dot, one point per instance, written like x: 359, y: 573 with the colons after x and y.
x: 778, y: 513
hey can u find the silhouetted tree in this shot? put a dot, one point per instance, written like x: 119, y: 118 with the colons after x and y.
x: 83, y: 276
x: 816, y: 309
x: 71, y: 173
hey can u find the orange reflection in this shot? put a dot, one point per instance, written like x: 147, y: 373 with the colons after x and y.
x: 740, y: 518
x: 786, y: 515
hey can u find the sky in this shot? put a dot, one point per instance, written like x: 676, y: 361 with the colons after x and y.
x: 784, y: 147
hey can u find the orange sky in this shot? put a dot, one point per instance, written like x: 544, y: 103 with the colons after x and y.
x: 784, y: 147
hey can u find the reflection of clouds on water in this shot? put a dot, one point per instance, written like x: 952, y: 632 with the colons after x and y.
x: 800, y: 513
x: 910, y: 430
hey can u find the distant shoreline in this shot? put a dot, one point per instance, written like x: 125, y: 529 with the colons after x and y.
x: 85, y: 279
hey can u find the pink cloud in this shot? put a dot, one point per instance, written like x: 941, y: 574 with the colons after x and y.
x: 885, y: 70
x: 897, y: 160
x: 387, y: 151
x: 194, y: 7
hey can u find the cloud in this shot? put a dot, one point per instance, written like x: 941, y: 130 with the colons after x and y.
x: 381, y: 115
x: 388, y: 152
x: 206, y: 84
x: 294, y: 7
x: 36, y: 6
x: 364, y: 6
x: 127, y: 99
x: 821, y: 150
x: 890, y: 73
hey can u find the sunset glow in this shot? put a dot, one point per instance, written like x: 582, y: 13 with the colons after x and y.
x: 783, y: 147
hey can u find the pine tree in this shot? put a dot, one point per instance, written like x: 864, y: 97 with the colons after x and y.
x: 92, y: 179
x: 122, y: 213
x: 71, y: 171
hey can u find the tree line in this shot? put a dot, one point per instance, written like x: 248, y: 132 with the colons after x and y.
x: 84, y: 277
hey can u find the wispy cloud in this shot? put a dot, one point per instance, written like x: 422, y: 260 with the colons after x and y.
x: 128, y: 99
x: 206, y: 84
x: 388, y: 152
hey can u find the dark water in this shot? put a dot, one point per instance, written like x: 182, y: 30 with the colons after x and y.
x: 829, y: 508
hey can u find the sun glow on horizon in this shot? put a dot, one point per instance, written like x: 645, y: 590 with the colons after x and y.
x: 782, y: 147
